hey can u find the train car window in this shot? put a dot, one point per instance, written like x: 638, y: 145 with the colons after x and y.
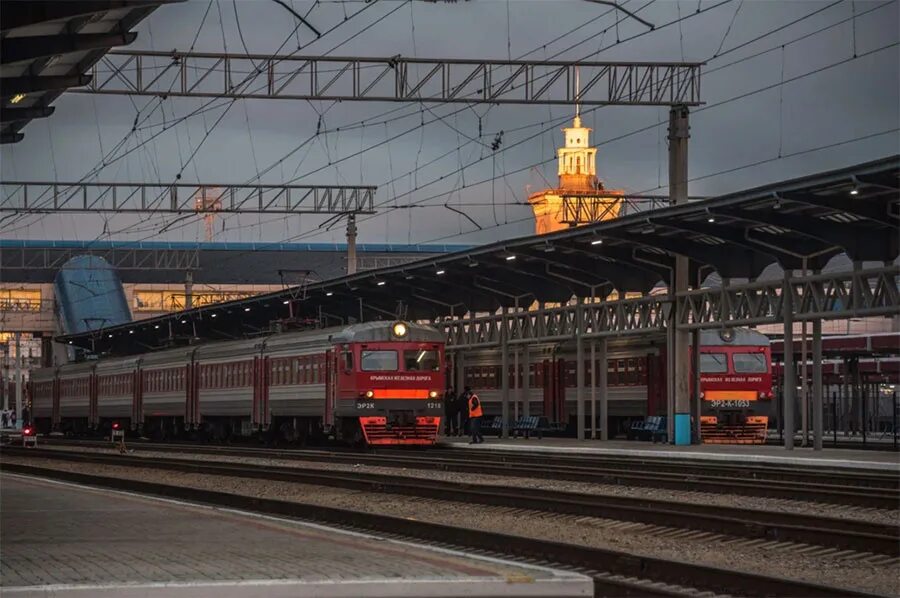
x: 421, y: 360
x: 348, y: 361
x: 713, y: 363
x: 749, y: 363
x: 378, y: 361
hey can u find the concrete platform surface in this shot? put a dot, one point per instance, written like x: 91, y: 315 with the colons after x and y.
x: 762, y: 454
x: 60, y: 539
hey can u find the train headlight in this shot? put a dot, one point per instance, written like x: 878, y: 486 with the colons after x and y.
x: 400, y: 330
x: 432, y: 394
x: 370, y: 394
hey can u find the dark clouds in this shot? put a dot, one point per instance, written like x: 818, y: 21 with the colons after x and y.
x: 839, y: 103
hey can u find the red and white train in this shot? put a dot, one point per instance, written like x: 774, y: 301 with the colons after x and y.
x: 379, y: 382
x: 735, y: 379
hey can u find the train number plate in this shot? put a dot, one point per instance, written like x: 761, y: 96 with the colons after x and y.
x: 365, y: 404
x: 736, y: 404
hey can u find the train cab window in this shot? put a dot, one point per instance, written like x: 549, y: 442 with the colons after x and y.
x: 347, y: 358
x: 749, y: 363
x: 378, y: 361
x: 713, y: 363
x: 421, y: 360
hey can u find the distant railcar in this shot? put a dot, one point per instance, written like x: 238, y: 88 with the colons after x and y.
x: 378, y: 383
x: 735, y: 385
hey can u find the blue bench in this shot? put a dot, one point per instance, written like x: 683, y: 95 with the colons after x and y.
x: 652, y: 428
x: 530, y: 424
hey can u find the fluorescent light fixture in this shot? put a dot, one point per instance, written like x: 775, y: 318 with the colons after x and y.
x: 286, y: 302
x: 510, y: 258
x: 440, y: 272
x: 597, y: 242
x: 710, y: 219
x: 109, y: 336
x: 70, y: 342
x: 213, y: 315
x: 472, y: 264
x: 421, y: 355
x: 17, y: 98
x: 157, y: 326
x: 854, y: 192
x: 329, y: 294
x: 246, y: 309
x: 184, y: 321
x: 380, y: 283
x: 131, y: 332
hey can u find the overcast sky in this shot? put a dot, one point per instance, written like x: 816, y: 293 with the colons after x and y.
x: 848, y: 98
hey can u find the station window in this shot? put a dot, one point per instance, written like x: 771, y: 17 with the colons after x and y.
x: 749, y: 363
x: 20, y: 300
x: 421, y: 360
x: 378, y: 361
x: 713, y: 363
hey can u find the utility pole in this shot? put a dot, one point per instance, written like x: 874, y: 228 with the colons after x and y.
x: 351, y: 243
x: 679, y: 133
x: 19, y: 380
x: 188, y: 290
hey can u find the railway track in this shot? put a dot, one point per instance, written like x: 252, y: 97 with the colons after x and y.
x: 614, y: 572
x: 842, y: 534
x: 830, y: 485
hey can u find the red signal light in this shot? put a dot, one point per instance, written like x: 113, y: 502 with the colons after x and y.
x: 115, y: 425
x: 27, y: 431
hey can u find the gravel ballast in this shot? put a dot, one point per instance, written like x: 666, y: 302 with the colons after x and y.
x: 882, y: 516
x: 778, y: 561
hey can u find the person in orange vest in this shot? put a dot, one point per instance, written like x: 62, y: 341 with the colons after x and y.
x: 475, y: 414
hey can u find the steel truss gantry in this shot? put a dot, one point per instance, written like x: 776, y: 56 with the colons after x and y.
x: 395, y: 79
x: 856, y: 293
x: 181, y: 198
x: 121, y: 259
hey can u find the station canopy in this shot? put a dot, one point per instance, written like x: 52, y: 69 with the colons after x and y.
x: 49, y: 45
x: 796, y: 223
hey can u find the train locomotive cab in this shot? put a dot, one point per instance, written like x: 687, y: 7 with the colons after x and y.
x: 735, y: 386
x: 387, y: 383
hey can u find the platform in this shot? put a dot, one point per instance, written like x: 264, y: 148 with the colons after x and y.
x: 61, y: 539
x: 761, y: 454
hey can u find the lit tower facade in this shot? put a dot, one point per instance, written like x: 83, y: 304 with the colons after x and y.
x: 577, y: 170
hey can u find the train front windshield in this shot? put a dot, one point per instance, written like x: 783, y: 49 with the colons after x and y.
x: 750, y: 363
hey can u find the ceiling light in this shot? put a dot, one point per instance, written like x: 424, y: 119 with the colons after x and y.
x: 329, y: 294
x: 597, y: 242
x: 157, y: 326
x: 472, y: 264
x: 510, y: 258
x: 286, y: 301
x: 380, y: 283
x: 854, y: 192
x: 17, y: 98
x: 210, y: 315
x: 110, y: 336
x: 246, y: 309
x: 710, y: 219
x: 131, y: 332
x: 440, y: 272
x: 549, y: 248
x: 184, y: 321
x: 70, y: 342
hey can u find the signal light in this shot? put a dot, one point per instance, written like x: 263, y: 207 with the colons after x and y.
x: 370, y: 394
x: 115, y: 426
x: 432, y: 394
x: 27, y: 431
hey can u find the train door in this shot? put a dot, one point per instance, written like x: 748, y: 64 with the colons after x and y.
x: 331, y: 374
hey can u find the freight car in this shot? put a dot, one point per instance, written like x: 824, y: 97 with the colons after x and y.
x: 377, y: 383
